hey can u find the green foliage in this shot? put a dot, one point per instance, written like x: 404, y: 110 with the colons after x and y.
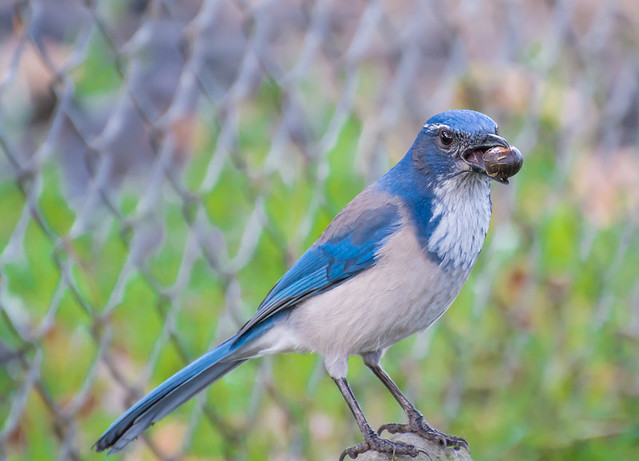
x: 98, y: 75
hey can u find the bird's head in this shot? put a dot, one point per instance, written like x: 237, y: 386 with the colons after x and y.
x: 465, y: 142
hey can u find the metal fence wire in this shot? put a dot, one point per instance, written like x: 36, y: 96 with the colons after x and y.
x: 163, y: 162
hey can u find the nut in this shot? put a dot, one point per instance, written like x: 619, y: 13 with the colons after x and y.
x: 502, y: 162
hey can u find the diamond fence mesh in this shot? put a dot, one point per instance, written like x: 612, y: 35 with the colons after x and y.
x: 163, y: 162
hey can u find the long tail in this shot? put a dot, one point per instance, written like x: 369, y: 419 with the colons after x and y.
x: 171, y: 394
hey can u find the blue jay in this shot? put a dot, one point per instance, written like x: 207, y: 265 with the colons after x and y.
x: 389, y: 265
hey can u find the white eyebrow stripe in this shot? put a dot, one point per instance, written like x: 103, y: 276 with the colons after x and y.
x: 432, y: 127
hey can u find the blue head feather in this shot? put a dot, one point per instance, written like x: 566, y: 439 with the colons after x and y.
x: 468, y: 121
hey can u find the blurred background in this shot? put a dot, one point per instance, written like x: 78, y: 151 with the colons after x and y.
x: 163, y: 162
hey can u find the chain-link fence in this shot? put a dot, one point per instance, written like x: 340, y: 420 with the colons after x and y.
x: 163, y: 162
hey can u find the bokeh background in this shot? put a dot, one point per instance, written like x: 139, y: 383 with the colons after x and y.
x: 163, y: 162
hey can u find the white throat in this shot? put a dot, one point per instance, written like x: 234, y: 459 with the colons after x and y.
x: 462, y: 209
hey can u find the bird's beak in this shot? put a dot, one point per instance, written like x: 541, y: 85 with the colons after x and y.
x: 494, y: 157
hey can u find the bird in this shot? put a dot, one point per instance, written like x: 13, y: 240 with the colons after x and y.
x: 387, y: 266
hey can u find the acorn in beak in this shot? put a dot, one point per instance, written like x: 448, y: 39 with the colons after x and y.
x: 495, y: 158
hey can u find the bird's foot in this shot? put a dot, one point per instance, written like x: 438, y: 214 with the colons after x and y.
x: 375, y: 443
x: 420, y: 427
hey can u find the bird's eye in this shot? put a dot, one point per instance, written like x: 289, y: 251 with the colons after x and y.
x: 446, y: 137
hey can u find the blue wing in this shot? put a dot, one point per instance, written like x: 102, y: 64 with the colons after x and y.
x: 348, y: 246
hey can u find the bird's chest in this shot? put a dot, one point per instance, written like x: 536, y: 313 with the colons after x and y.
x: 437, y: 267
x: 412, y: 290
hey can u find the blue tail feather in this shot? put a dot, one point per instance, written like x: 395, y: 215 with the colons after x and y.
x: 169, y: 395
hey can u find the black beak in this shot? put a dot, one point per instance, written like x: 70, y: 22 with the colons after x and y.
x: 494, y: 157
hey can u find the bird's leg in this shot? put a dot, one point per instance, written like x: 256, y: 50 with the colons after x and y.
x: 372, y: 440
x: 416, y: 421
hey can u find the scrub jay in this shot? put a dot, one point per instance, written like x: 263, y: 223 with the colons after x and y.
x: 389, y: 265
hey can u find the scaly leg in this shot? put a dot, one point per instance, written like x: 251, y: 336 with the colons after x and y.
x: 372, y: 440
x: 416, y: 421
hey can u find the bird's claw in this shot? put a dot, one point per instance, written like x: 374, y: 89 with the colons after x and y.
x: 376, y: 443
x: 424, y: 430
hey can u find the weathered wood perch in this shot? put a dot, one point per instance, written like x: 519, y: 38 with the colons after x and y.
x: 435, y: 452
